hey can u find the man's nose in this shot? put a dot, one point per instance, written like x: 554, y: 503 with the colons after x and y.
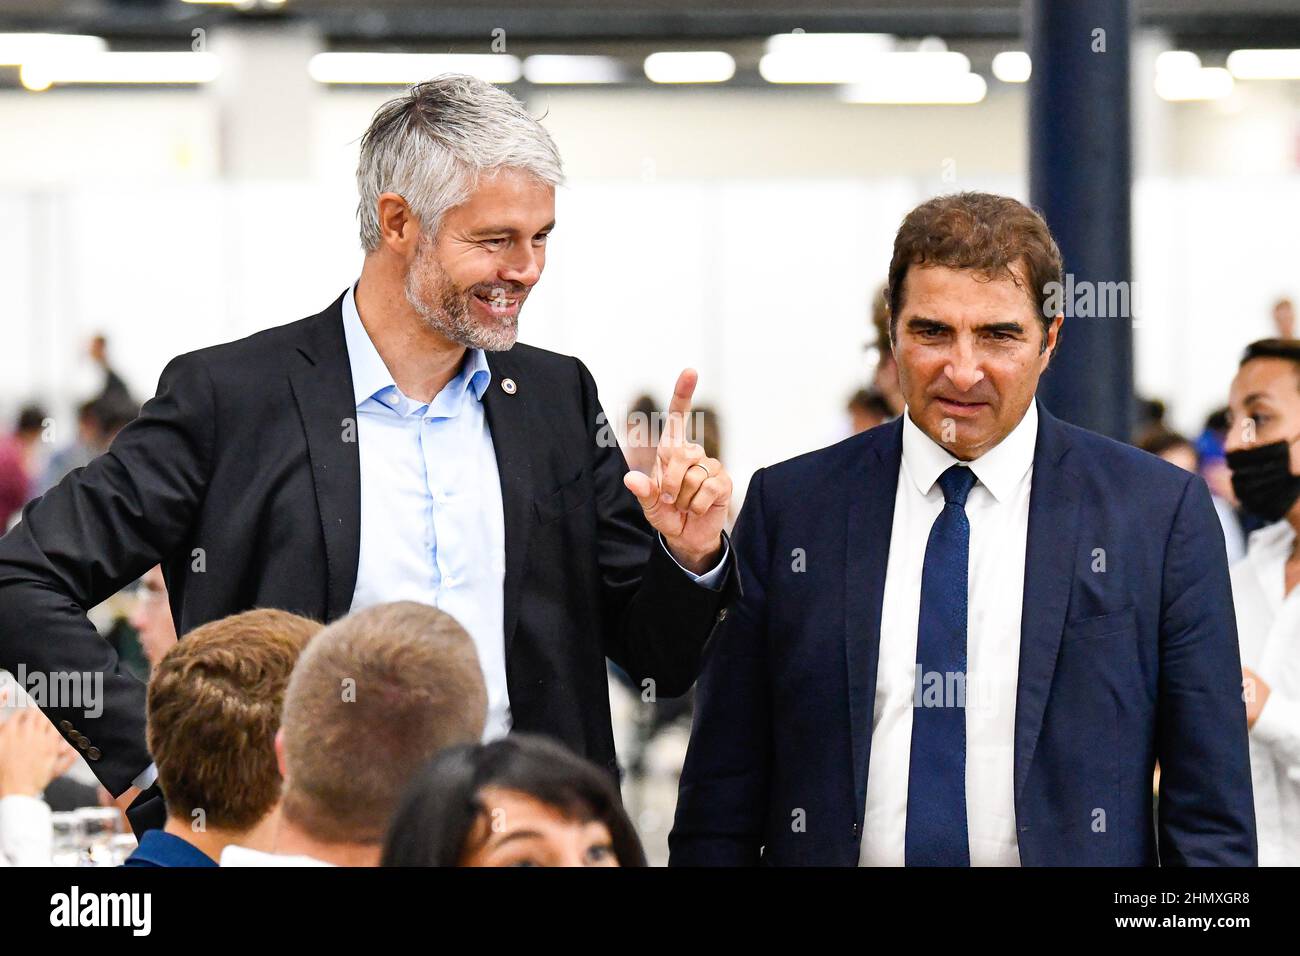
x: 963, y: 368
x: 524, y: 265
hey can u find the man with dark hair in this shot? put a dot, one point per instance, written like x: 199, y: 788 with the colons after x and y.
x: 213, y: 713
x: 967, y: 636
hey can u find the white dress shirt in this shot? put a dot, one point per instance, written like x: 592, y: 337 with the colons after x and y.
x: 998, y: 511
x: 1268, y: 629
x: 26, y: 831
x: 235, y: 855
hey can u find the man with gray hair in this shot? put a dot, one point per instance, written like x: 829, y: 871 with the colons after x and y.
x: 396, y: 446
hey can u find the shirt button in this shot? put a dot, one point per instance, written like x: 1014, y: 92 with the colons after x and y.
x: 391, y: 399
x: 449, y: 582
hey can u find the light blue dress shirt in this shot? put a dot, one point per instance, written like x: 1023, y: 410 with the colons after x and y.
x: 432, y: 519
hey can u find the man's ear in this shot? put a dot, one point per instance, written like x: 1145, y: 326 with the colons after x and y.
x: 1052, y: 339
x: 279, y: 752
x: 399, y: 229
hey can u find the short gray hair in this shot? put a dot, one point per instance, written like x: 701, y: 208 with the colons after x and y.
x: 431, y: 145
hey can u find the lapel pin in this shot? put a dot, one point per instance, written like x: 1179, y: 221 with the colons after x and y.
x: 508, y: 386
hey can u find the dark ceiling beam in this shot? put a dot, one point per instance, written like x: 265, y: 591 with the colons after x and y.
x: 1231, y: 27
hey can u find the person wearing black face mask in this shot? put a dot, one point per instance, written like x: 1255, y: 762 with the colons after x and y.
x: 1263, y: 451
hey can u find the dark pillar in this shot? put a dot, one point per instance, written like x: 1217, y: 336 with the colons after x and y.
x: 1080, y: 179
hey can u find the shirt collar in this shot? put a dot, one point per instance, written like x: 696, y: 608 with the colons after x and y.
x: 1273, y: 540
x: 166, y: 849
x: 370, y: 376
x: 1000, y: 469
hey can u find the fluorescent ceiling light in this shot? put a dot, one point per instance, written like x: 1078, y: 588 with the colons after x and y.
x: 1180, y: 78
x: 690, y: 67
x: 1012, y: 66
x: 936, y: 90
x: 830, y: 43
x: 403, y: 69
x: 548, y: 68
x: 1177, y: 61
x: 17, y: 48
x: 1204, y: 83
x: 162, y: 67
x: 241, y: 4
x: 1265, y: 64
x: 811, y: 66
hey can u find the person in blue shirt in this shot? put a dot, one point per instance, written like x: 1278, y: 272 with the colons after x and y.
x: 213, y: 710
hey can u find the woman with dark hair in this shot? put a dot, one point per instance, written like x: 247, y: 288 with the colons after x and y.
x: 518, y: 801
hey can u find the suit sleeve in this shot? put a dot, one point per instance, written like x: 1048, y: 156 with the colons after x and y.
x: 1206, y: 813
x: 97, y: 530
x: 658, y: 619
x: 723, y: 794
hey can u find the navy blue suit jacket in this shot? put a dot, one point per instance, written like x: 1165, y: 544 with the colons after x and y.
x: 1118, y: 668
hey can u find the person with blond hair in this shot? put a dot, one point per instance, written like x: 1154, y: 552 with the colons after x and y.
x: 213, y: 713
x: 376, y: 695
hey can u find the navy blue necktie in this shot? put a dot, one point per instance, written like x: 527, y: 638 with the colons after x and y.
x: 936, y: 785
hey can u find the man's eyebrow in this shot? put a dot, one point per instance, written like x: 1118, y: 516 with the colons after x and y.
x: 924, y: 321
x: 508, y: 230
x: 1000, y: 327
x: 1254, y: 397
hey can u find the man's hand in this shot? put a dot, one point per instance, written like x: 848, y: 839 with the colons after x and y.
x: 1255, y: 693
x: 686, y: 498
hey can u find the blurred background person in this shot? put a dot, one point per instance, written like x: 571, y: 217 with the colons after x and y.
x: 1263, y: 449
x: 374, y: 696
x: 867, y: 409
x: 151, y: 616
x: 1173, y: 448
x: 642, y: 434
x: 19, y: 457
x: 519, y: 801
x: 98, y: 422
x: 884, y: 381
x: 213, y: 713
x: 114, y: 390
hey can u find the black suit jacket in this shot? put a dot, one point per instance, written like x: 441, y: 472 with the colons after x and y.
x: 242, y: 478
x: 1128, y: 655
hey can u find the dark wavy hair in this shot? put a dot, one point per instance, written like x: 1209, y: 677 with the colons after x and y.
x: 990, y: 235
x: 438, y: 812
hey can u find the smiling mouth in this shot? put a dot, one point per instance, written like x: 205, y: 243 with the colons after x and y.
x: 499, y: 303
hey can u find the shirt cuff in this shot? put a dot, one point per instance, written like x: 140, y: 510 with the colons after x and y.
x: 147, y: 776
x: 709, y: 579
x: 26, y: 835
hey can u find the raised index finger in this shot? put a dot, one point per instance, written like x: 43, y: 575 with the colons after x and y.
x: 679, y: 408
x: 685, y: 388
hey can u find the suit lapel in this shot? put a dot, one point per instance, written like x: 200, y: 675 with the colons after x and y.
x: 322, y: 389
x: 507, y: 416
x: 870, y: 521
x: 1049, y: 573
